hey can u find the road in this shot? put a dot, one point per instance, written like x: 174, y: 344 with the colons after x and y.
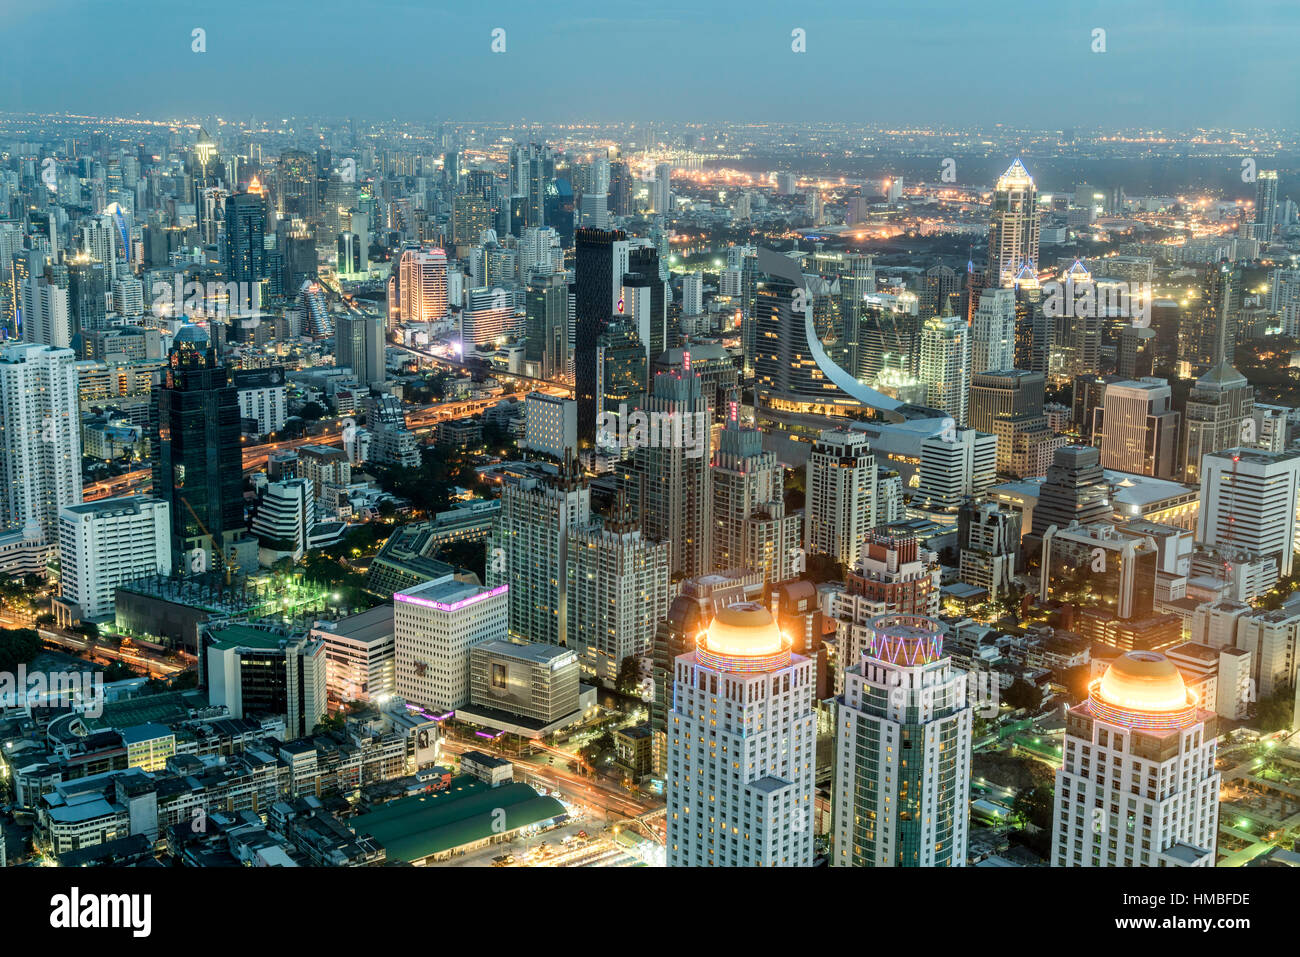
x: 576, y: 787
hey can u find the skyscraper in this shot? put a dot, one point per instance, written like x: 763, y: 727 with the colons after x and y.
x: 1218, y: 409
x: 945, y: 365
x: 1248, y: 503
x: 993, y: 332
x: 840, y: 508
x: 750, y: 526
x: 1075, y: 490
x: 1265, y: 204
x: 435, y: 624
x: 1137, y: 786
x: 598, y: 254
x: 528, y: 549
x: 546, y: 345
x: 669, y: 480
x: 1137, y: 428
x: 902, y: 752
x: 422, y: 284
x: 741, y: 747
x: 246, y: 236
x: 1014, y: 229
x: 40, y: 438
x: 199, y: 470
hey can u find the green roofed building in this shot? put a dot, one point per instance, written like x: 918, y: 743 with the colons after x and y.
x: 463, y: 817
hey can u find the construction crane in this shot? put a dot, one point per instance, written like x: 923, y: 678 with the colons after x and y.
x: 218, y: 557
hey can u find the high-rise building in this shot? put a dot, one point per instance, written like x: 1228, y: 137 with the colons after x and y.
x: 46, y: 309
x: 902, y: 751
x: 954, y: 467
x: 1137, y: 786
x: 840, y: 504
x: 945, y: 366
x: 40, y: 438
x: 741, y: 747
x: 286, y: 514
x: 600, y: 262
x: 246, y: 236
x: 435, y: 625
x: 546, y: 343
x: 1014, y: 229
x: 993, y: 332
x: 1075, y: 490
x: 1265, y: 204
x: 105, y: 544
x: 668, y: 477
x: 750, y: 526
x: 199, y: 470
x: 1218, y: 409
x: 1008, y: 404
x: 894, y: 576
x: 360, y: 343
x: 422, y: 284
x: 1207, y: 334
x: 988, y: 537
x: 1248, y: 503
x: 1137, y: 428
x: 528, y: 548
x: 643, y: 299
x: 618, y: 591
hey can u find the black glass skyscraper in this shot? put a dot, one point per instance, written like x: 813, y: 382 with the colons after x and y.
x: 245, y: 237
x: 199, y: 468
x: 594, y: 304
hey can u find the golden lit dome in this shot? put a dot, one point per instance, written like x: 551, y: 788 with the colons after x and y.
x: 1143, y: 681
x: 744, y: 630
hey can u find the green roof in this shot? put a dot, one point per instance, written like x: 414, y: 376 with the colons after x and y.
x: 411, y: 829
x: 244, y: 636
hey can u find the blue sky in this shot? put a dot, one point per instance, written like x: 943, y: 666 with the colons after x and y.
x: 1177, y: 63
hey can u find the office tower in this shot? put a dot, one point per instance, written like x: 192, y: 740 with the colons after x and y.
x: 1138, y: 786
x: 488, y: 318
x: 422, y: 284
x: 435, y: 624
x: 1137, y: 352
x: 643, y: 300
x: 840, y: 484
x: 528, y: 547
x: 1248, y: 503
x: 286, y: 514
x: 471, y: 217
x: 1008, y: 404
x: 40, y: 439
x: 902, y: 751
x: 1283, y: 299
x: 1137, y: 428
x: 1207, y: 334
x: 993, y: 332
x: 1075, y: 490
x: 941, y: 290
x: 128, y: 297
x: 350, y: 345
x: 621, y: 369
x: 618, y: 591
x: 988, y: 538
x: 1218, y: 409
x: 593, y: 211
x: 741, y: 747
x: 298, y: 185
x: 199, y: 470
x: 392, y: 443
x: 246, y: 236
x: 693, y: 294
x: 750, y: 526
x: 551, y: 426
x: 546, y: 346
x: 87, y: 296
x: 944, y: 365
x: 1014, y: 229
x: 669, y: 480
x: 46, y: 309
x: 105, y: 544
x: 256, y: 672
x: 954, y: 468
x: 661, y: 190
x: 1100, y: 565
x: 598, y: 254
x: 1265, y: 205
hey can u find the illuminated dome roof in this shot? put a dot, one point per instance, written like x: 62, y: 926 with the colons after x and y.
x: 744, y: 630
x: 1143, y: 681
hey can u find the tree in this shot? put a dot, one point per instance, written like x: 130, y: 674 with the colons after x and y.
x: 312, y: 411
x: 119, y: 671
x: 1274, y: 712
x: 629, y: 675
x: 18, y: 646
x: 1023, y: 694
